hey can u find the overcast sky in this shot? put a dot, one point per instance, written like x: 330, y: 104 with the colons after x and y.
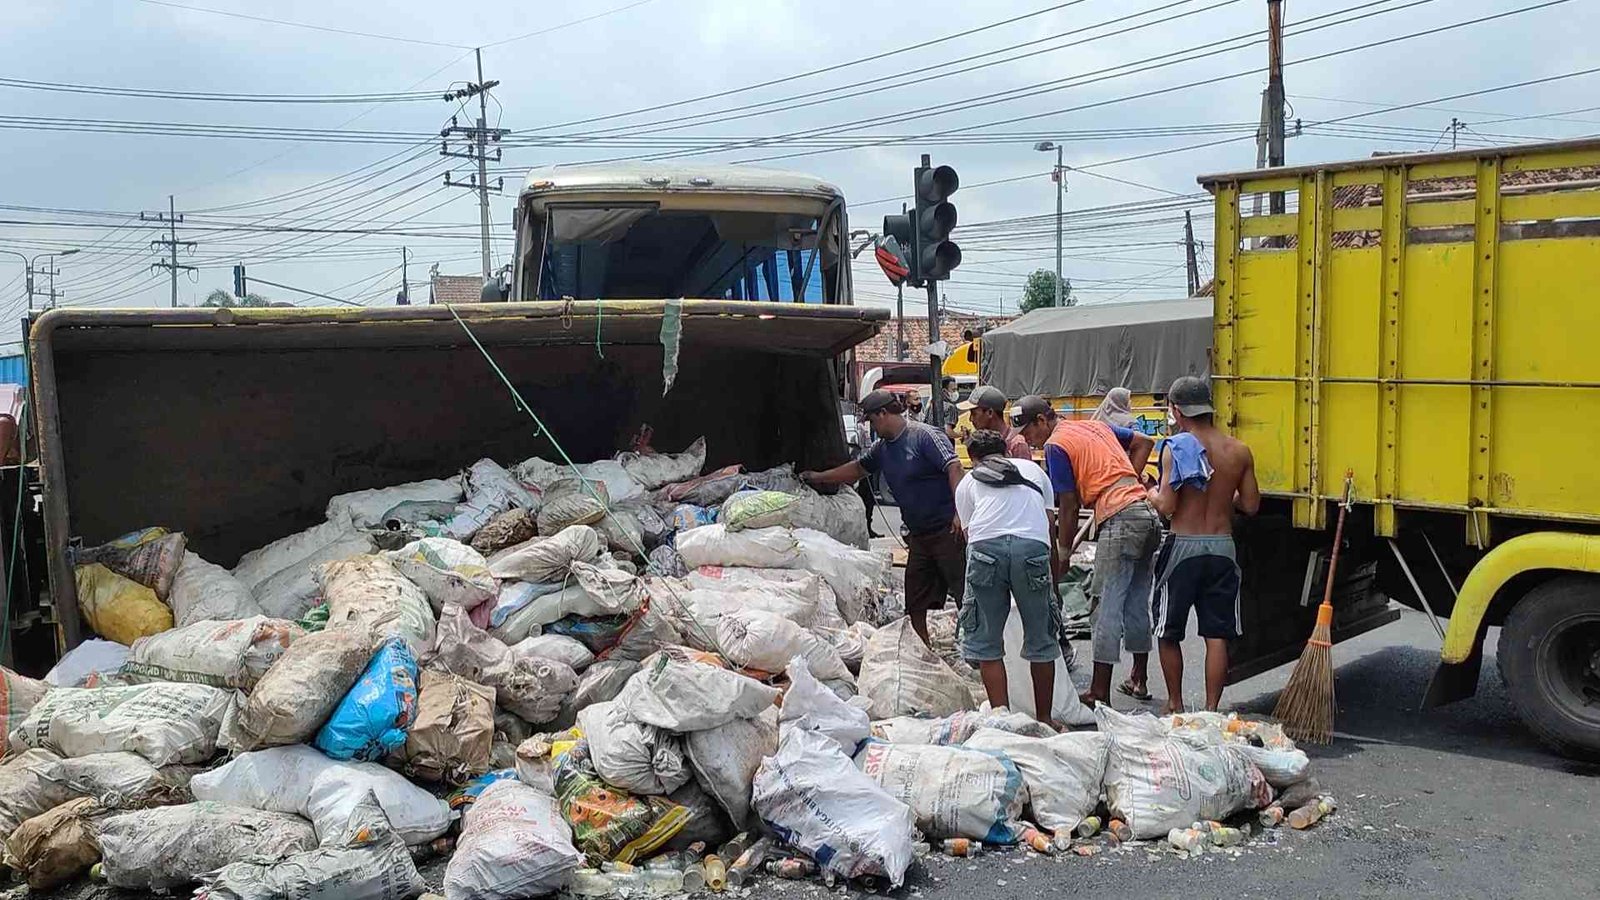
x: 561, y: 63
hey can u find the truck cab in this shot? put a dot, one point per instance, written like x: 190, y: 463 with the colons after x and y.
x: 713, y: 232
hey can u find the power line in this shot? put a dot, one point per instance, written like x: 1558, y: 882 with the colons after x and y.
x: 941, y: 70
x: 211, y: 96
x: 824, y: 70
x: 306, y: 25
x: 599, y: 15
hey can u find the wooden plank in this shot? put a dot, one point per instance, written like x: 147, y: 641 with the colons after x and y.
x: 1226, y: 288
x: 1550, y: 205
x: 1392, y: 269
x: 1439, y: 213
x: 1486, y: 242
x: 1561, y: 159
x: 1365, y: 218
x: 1268, y: 226
x: 1462, y: 168
x: 1275, y: 183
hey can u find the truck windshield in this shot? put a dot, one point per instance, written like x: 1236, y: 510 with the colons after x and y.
x: 640, y: 250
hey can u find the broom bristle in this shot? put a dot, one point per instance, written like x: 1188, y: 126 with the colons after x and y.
x: 1306, y: 705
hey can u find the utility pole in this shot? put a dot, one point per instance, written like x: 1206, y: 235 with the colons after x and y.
x: 405, y: 282
x: 479, y: 137
x: 1189, y: 252
x: 1275, y: 95
x: 900, y: 312
x: 1456, y: 126
x: 171, y: 218
x: 1059, y: 176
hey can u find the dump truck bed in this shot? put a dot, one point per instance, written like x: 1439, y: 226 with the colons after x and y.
x: 1427, y: 321
x: 236, y: 426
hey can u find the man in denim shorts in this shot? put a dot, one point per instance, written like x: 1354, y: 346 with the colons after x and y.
x: 1002, y: 502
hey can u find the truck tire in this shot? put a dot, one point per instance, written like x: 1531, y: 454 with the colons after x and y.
x: 1549, y: 656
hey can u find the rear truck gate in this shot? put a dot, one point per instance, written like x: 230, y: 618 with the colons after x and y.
x: 1428, y: 321
x: 237, y: 425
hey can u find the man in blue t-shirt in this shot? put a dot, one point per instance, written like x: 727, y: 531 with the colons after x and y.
x: 922, y: 470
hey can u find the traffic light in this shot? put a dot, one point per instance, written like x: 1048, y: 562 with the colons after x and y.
x: 923, y: 233
x: 899, y: 230
x: 239, y: 286
x: 935, y: 218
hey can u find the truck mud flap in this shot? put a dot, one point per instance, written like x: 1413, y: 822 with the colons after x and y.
x: 1454, y: 681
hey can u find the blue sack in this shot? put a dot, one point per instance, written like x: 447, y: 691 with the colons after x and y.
x: 371, y: 721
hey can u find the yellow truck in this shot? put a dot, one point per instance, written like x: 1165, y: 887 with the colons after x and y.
x: 1429, y: 323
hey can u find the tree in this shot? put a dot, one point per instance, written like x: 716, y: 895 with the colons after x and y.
x: 222, y: 298
x: 1040, y: 291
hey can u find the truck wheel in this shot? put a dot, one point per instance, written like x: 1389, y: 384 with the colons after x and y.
x: 1549, y: 655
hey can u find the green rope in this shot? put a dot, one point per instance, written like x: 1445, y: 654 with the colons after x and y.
x: 604, y: 502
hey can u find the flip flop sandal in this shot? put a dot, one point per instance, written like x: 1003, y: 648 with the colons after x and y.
x: 1126, y: 687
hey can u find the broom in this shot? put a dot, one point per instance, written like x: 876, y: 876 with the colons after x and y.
x: 1306, y: 705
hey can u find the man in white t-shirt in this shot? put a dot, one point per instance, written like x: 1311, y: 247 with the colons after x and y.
x: 1002, y: 502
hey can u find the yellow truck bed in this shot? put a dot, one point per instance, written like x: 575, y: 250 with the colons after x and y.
x: 1421, y: 320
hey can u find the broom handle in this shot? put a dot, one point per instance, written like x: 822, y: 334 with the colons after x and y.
x: 1325, y: 611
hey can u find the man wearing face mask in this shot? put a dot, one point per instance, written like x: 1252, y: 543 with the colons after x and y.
x: 949, y: 409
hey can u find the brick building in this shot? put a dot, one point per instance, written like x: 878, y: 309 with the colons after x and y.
x: 881, y: 347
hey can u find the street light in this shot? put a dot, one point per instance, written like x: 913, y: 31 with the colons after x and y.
x: 1059, y: 176
x: 29, y: 267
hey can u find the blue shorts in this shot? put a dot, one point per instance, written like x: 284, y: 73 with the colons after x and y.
x: 998, y: 570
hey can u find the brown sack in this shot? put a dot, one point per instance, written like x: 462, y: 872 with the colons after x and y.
x: 454, y: 728
x: 56, y: 846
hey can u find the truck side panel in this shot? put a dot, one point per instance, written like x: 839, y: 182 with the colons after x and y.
x: 1417, y: 321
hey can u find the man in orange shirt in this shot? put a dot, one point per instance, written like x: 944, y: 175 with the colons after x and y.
x: 1095, y: 464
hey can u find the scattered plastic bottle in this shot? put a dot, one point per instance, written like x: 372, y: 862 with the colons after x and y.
x: 1272, y: 816
x: 694, y: 877
x: 735, y: 847
x: 1120, y: 830
x: 589, y: 883
x: 1089, y: 827
x: 962, y: 847
x: 663, y: 882
x: 1039, y: 841
x: 1312, y: 813
x: 97, y: 872
x: 793, y: 868
x: 716, y: 873
x: 1189, y: 840
x: 1227, y: 837
x: 747, y: 862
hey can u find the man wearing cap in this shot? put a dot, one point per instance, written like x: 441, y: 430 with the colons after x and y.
x: 1096, y: 464
x: 986, y: 408
x: 1205, y: 477
x: 922, y: 470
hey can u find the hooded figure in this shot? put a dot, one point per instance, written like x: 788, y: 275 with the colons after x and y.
x: 1116, y: 409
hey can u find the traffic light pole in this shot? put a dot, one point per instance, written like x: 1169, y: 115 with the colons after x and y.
x: 935, y: 361
x: 900, y: 312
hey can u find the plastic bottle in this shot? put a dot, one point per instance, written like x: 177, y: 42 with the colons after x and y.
x: 1089, y: 827
x: 962, y: 847
x: 589, y: 883
x: 1189, y: 840
x: 1312, y: 813
x: 748, y: 862
x: 694, y: 877
x: 735, y: 847
x: 716, y: 873
x: 1120, y: 830
x: 793, y: 868
x: 1272, y: 816
x: 1039, y: 841
x: 663, y: 882
x: 1227, y: 837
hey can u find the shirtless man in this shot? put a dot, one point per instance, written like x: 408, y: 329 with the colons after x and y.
x: 1205, y: 477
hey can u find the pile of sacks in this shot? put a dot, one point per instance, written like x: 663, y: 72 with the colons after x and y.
x: 563, y: 671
